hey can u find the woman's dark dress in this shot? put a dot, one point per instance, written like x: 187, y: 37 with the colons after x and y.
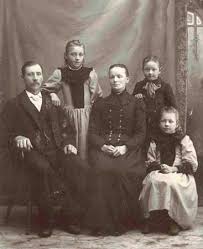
x: 116, y: 181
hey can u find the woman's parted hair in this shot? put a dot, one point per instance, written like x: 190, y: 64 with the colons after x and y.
x: 121, y: 66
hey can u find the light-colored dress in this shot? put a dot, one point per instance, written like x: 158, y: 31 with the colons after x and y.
x: 79, y: 117
x: 175, y: 192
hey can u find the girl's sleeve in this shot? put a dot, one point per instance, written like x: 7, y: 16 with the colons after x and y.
x: 137, y: 89
x: 169, y: 96
x: 189, y: 161
x: 94, y: 87
x: 54, y: 83
x: 152, y: 162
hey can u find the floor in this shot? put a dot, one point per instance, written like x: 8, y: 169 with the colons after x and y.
x: 13, y: 236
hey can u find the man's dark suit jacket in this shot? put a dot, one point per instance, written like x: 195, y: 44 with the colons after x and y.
x: 21, y: 119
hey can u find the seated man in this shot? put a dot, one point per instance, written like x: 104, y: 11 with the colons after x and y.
x: 35, y: 127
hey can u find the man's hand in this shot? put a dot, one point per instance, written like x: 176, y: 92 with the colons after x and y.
x: 55, y: 99
x: 108, y: 149
x: 70, y: 149
x: 23, y: 143
x: 120, y: 150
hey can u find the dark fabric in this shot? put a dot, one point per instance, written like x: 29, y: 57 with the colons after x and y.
x: 157, y: 83
x: 21, y: 108
x: 115, y: 181
x: 6, y: 162
x: 46, y: 163
x: 46, y: 129
x: 54, y: 171
x: 166, y: 144
x: 43, y: 177
x: 163, y: 97
x: 76, y: 177
x: 117, y: 120
x: 153, y: 166
x: 76, y: 79
x: 185, y: 168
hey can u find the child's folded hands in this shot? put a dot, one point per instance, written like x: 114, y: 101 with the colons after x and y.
x: 166, y: 169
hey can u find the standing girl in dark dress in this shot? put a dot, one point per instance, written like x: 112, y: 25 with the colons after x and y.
x: 116, y: 135
x: 155, y: 93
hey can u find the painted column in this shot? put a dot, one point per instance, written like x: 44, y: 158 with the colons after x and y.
x: 181, y: 58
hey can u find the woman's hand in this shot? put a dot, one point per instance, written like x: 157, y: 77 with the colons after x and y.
x: 120, y: 150
x: 55, y: 99
x: 139, y: 96
x: 114, y: 151
x: 108, y: 149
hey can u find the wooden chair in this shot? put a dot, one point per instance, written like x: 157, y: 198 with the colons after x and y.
x: 12, y: 200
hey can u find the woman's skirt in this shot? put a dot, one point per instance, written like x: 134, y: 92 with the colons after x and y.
x: 113, y: 191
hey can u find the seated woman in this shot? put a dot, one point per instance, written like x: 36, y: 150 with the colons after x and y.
x: 116, y: 135
x: 169, y: 189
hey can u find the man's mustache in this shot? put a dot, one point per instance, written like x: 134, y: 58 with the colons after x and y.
x: 35, y: 83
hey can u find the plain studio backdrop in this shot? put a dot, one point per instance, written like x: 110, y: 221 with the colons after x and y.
x: 121, y: 31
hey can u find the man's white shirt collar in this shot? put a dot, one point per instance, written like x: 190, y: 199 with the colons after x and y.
x: 31, y: 95
x: 36, y: 99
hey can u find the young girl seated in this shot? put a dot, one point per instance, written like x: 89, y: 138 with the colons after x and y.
x: 170, y: 185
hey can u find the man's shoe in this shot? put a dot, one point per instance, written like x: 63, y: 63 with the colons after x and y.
x: 146, y: 227
x: 73, y: 229
x: 45, y: 232
x: 118, y: 233
x: 98, y: 233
